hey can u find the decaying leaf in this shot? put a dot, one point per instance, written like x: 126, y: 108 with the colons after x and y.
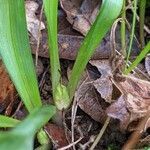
x: 147, y: 64
x: 88, y: 101
x: 135, y: 99
x: 118, y: 111
x: 32, y: 22
x: 57, y: 135
x: 81, y: 13
x: 7, y: 90
x: 103, y: 85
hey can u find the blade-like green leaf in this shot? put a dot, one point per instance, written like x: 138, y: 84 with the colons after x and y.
x: 138, y: 59
x: 109, y: 11
x: 60, y: 93
x: 51, y: 7
x: 15, y: 51
x: 6, y: 122
x: 22, y: 137
x: 132, y: 30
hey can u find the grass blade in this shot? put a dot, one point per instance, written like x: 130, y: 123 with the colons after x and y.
x: 93, y: 38
x: 22, y: 136
x: 15, y: 51
x: 6, y: 122
x: 138, y: 59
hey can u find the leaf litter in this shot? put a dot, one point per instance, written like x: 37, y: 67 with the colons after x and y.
x: 7, y: 91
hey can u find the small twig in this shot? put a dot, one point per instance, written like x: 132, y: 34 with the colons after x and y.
x: 42, y: 79
x: 70, y: 145
x: 134, y: 138
x: 100, y: 133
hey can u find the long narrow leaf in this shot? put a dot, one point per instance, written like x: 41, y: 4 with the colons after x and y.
x: 15, y: 51
x: 51, y: 7
x: 6, y: 122
x: 22, y: 137
x: 138, y: 59
x: 109, y: 11
x: 60, y: 94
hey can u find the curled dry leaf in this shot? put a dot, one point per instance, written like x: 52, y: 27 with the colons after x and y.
x: 32, y: 22
x: 87, y: 99
x: 103, y: 85
x: 7, y: 90
x: 81, y: 13
x: 136, y: 97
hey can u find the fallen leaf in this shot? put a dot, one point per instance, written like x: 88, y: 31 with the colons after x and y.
x: 57, y: 135
x: 81, y: 14
x: 87, y: 99
x: 7, y: 90
x: 32, y: 21
x: 104, y: 85
x: 147, y: 64
x: 135, y: 99
x: 119, y: 111
x: 69, y: 45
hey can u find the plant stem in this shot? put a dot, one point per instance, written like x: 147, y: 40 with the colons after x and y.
x: 132, y: 31
x: 123, y: 29
x: 138, y: 59
x: 100, y: 133
x: 142, y: 18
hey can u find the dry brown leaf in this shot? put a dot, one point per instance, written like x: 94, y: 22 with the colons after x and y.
x: 147, y: 64
x: 103, y: 85
x: 81, y: 13
x: 57, y: 135
x: 7, y: 90
x: 88, y: 100
x: 135, y: 99
x: 32, y: 22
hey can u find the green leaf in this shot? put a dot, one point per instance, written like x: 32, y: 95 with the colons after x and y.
x: 22, y: 137
x: 8, y: 122
x: 132, y: 30
x: 60, y: 93
x: 51, y: 7
x: 138, y: 59
x: 109, y: 11
x: 16, y: 53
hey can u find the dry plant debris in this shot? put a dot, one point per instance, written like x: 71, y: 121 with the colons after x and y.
x: 81, y: 14
x: 7, y: 91
x: 57, y: 135
x: 32, y: 21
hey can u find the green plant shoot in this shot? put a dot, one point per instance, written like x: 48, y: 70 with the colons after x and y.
x: 60, y: 94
